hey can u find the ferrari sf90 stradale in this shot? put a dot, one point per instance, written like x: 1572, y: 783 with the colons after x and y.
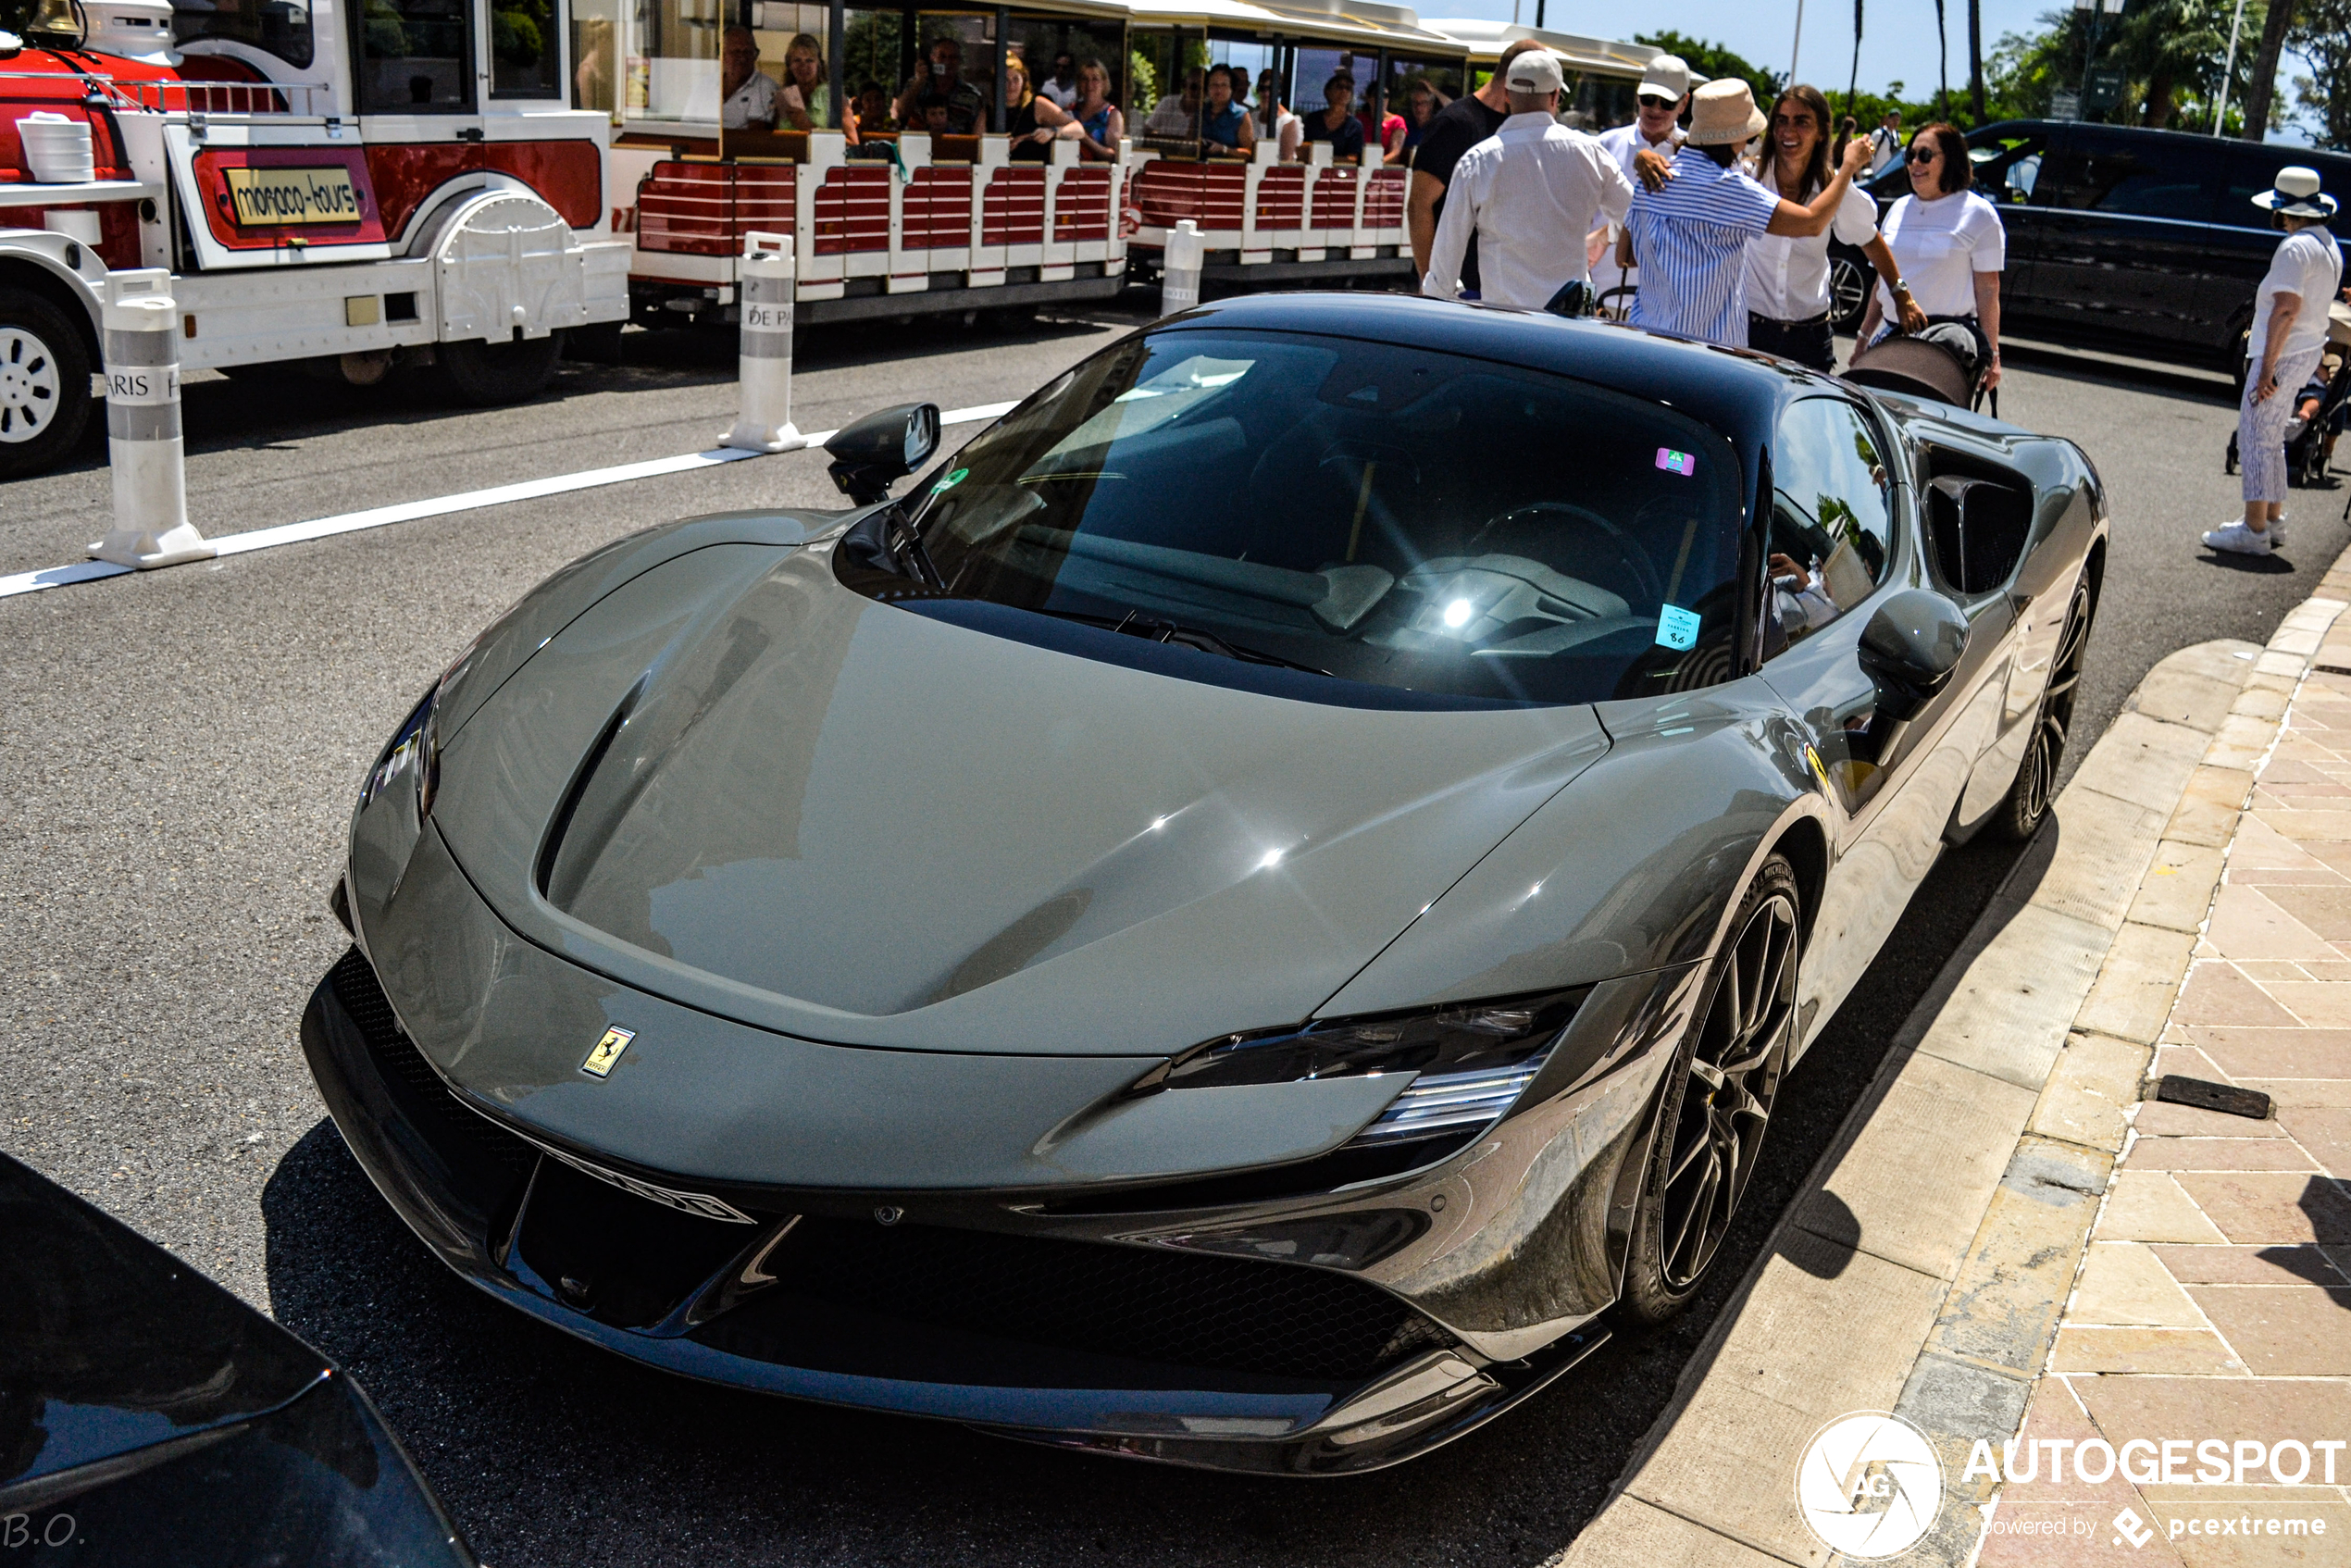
x: 1244, y: 918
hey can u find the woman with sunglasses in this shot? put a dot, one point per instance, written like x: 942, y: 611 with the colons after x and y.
x: 1787, y: 279
x: 1948, y: 247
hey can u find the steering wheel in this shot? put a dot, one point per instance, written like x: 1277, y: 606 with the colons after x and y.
x: 1634, y: 556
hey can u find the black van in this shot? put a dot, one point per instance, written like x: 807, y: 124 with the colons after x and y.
x: 2138, y: 242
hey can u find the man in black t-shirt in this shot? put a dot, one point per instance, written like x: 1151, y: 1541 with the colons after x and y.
x: 1455, y: 129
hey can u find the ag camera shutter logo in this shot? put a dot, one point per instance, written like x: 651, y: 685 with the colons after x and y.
x: 1869, y: 1484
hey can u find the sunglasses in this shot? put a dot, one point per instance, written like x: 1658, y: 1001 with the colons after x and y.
x: 1650, y: 101
x: 1924, y: 155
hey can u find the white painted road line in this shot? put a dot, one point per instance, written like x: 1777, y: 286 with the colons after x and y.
x: 467, y: 500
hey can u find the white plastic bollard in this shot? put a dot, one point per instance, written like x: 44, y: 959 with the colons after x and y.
x: 144, y: 448
x: 1179, y: 267
x: 766, y: 299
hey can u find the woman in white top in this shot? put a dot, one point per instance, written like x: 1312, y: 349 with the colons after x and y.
x: 1949, y: 245
x: 2289, y: 334
x: 1787, y: 279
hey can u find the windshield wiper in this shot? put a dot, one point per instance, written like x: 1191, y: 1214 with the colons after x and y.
x: 906, y: 547
x: 1152, y: 628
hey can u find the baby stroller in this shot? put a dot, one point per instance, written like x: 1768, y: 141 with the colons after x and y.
x: 2321, y: 408
x: 1942, y: 363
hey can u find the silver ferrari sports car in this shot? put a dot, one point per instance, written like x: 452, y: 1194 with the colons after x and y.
x: 1243, y: 919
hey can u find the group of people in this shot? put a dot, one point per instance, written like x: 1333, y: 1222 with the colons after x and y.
x: 1213, y: 107
x: 1727, y: 218
x: 1071, y: 104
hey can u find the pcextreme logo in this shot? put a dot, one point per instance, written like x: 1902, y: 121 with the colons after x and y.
x: 1869, y: 1484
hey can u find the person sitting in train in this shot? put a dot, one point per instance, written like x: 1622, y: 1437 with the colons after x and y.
x: 936, y: 113
x: 1274, y: 116
x: 1421, y: 103
x: 1095, y: 124
x: 805, y: 103
x: 1337, y: 123
x: 748, y: 96
x: 873, y: 107
x: 1177, y: 115
x: 1061, y: 86
x: 943, y: 77
x: 1225, y: 125
x: 1391, y: 130
x: 1032, y: 118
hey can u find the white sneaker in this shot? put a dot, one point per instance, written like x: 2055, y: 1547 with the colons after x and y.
x: 2238, y: 539
x: 2277, y: 532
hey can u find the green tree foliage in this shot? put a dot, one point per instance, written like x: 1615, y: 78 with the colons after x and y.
x: 2323, y: 36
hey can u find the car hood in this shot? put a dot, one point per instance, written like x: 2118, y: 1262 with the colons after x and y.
x: 738, y: 784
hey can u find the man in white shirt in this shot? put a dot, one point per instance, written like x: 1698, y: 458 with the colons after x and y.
x: 747, y: 95
x: 1531, y: 193
x: 1663, y: 94
x: 1885, y: 141
x: 2289, y: 334
x: 1061, y: 88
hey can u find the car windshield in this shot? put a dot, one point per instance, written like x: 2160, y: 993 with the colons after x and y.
x: 1381, y: 513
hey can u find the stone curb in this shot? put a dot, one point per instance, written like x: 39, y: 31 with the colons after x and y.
x: 1925, y: 1265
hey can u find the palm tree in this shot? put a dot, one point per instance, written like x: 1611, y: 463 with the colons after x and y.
x: 1853, y: 83
x: 1975, y: 58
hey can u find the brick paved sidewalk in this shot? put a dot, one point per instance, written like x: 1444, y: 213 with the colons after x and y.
x: 2215, y: 1301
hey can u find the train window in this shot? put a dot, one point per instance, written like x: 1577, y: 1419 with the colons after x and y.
x: 416, y: 56
x: 526, y: 58
x: 276, y: 26
x: 595, y: 29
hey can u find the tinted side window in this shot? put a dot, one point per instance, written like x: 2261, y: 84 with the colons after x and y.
x: 2008, y: 166
x: 2252, y: 171
x: 415, y: 57
x: 2142, y: 176
x: 1832, y: 514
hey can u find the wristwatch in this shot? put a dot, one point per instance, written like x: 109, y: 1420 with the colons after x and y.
x: 1901, y: 285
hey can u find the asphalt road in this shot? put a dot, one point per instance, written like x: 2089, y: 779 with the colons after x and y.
x: 177, y: 756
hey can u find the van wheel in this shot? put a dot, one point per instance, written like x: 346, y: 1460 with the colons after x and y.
x: 44, y: 384
x: 487, y: 375
x: 1716, y: 1102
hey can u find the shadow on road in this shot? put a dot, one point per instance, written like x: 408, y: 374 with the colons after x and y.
x: 551, y: 1451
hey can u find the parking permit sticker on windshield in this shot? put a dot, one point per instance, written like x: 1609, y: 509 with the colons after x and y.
x: 1676, y: 628
x: 1672, y: 462
x: 950, y: 482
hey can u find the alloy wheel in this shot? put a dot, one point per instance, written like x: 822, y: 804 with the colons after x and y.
x: 1734, y: 1070
x: 1849, y: 294
x: 28, y: 385
x: 2046, y: 749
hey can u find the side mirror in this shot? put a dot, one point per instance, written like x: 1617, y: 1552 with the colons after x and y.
x: 1979, y: 527
x: 1911, y: 647
x: 876, y: 451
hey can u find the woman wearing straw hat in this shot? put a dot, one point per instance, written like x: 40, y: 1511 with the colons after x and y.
x: 2289, y: 333
x: 1690, y: 237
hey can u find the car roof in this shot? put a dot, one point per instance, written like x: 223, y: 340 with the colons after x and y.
x: 1737, y: 392
x: 2282, y: 152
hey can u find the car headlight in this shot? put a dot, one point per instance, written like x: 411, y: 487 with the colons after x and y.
x: 1473, y: 1060
x: 416, y: 746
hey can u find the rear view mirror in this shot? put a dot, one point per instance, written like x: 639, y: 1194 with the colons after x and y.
x: 876, y: 451
x: 1911, y: 647
x: 1978, y: 529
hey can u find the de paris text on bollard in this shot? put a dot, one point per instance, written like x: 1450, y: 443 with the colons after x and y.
x: 766, y: 299
x: 1180, y: 263
x: 144, y: 449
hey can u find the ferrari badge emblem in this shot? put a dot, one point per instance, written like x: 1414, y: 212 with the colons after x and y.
x: 607, y: 1052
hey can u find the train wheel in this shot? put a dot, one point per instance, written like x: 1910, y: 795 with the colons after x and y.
x: 44, y: 384
x: 489, y: 374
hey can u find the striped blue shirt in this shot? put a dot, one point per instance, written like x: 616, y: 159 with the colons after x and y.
x: 1690, y: 240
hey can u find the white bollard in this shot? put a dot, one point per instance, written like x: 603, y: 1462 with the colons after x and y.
x: 766, y: 301
x: 1179, y: 267
x: 144, y: 448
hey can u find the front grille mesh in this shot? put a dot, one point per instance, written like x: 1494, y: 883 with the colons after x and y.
x: 363, y: 998
x: 1150, y: 1303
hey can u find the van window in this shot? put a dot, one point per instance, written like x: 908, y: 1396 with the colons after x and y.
x: 2254, y: 170
x: 2140, y: 176
x: 2007, y: 166
x: 274, y: 26
x: 415, y: 57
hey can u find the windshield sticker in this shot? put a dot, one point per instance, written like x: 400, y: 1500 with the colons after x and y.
x: 1677, y: 628
x: 1672, y: 462
x: 950, y: 482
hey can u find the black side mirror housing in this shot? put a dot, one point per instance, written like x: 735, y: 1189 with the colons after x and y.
x: 874, y: 453
x: 1979, y: 528
x: 1911, y: 647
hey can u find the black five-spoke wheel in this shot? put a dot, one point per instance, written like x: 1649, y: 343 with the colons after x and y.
x: 1715, y: 1108
x: 2028, y: 798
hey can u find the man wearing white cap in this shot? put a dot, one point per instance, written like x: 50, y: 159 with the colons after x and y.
x: 1656, y: 128
x: 2289, y: 333
x: 1690, y: 238
x: 1530, y: 193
